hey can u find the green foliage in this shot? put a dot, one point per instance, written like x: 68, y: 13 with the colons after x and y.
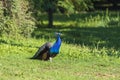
x: 9, y: 27
x: 82, y: 5
x: 72, y: 6
x: 1, y: 19
x: 67, y: 6
x: 59, y: 6
x: 19, y: 22
x: 50, y: 4
x: 19, y: 16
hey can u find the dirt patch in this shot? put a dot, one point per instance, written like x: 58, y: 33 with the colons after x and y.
x: 105, y: 75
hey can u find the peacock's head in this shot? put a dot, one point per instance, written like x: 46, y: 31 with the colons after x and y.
x: 58, y: 33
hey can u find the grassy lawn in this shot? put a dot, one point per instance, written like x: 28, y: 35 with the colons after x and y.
x: 16, y: 65
x: 88, y: 51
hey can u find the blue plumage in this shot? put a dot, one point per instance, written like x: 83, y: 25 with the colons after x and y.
x: 48, y: 51
x: 56, y: 46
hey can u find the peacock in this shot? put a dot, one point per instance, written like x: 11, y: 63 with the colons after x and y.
x: 47, y: 51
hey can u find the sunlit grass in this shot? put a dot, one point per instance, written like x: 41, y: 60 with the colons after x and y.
x: 73, y: 63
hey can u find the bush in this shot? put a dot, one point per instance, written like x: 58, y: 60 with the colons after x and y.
x: 18, y: 22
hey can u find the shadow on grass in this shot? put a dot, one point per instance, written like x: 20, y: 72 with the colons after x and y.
x: 80, y: 16
x: 102, y: 37
x: 89, y: 36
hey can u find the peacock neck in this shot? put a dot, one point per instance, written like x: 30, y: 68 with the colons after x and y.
x: 56, y: 46
x: 58, y: 39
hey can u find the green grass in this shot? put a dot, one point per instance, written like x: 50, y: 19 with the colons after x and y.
x: 92, y: 19
x: 16, y: 65
x: 88, y: 52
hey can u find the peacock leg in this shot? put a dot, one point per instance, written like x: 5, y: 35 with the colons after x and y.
x: 50, y: 59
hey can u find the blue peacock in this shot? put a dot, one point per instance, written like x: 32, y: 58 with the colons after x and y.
x: 48, y: 51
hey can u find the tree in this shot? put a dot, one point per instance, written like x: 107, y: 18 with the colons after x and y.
x: 50, y: 7
x: 68, y: 7
x: 63, y: 6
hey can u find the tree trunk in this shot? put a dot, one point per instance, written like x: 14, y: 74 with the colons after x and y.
x: 50, y: 18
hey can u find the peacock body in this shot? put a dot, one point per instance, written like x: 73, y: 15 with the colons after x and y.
x: 47, y: 51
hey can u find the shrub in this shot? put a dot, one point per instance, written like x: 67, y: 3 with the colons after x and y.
x: 18, y: 22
